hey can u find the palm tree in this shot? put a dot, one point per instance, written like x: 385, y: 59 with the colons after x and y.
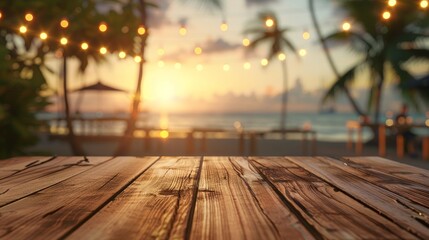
x: 383, y: 45
x: 316, y: 25
x: 267, y: 29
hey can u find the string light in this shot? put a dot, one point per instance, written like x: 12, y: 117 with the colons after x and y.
x: 137, y: 59
x: 386, y: 15
x: 346, y: 26
x: 424, y: 4
x: 224, y: 26
x: 29, y: 17
x: 264, y: 62
x: 391, y: 3
x: 64, y: 41
x: 281, y: 56
x: 23, y: 29
x: 141, y: 30
x: 64, y: 23
x: 84, y: 46
x: 302, y: 52
x: 102, y: 27
x: 43, y: 36
x: 269, y: 22
x: 183, y: 31
x: 198, y: 51
x: 122, y: 55
x: 103, y: 50
x: 306, y: 35
x: 246, y: 42
x: 247, y: 65
x: 226, y: 67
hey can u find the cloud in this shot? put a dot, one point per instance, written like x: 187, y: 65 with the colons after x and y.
x: 209, y: 47
x: 219, y: 45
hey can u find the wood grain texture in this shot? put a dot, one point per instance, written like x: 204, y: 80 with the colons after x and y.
x: 410, y: 193
x: 389, y: 204
x: 41, y: 174
x: 331, y: 212
x: 156, y: 206
x: 227, y: 209
x: 11, y: 165
x: 403, y: 171
x: 52, y: 212
x: 287, y: 224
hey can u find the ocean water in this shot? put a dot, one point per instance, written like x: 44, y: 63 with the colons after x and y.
x: 329, y: 127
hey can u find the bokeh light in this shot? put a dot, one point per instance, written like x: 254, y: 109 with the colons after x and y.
x: 29, y: 17
x: 84, y: 46
x: 43, y: 36
x: 64, y: 23
x: 64, y: 41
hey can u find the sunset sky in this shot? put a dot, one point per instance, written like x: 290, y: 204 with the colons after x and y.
x: 221, y: 62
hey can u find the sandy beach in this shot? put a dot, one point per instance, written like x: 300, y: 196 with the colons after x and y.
x: 214, y: 147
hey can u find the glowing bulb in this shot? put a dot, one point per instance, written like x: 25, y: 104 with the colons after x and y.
x: 29, y: 17
x: 178, y: 66
x: 386, y: 15
x: 247, y: 65
x: 102, y: 27
x: 281, y: 56
x: 103, y: 50
x: 64, y: 41
x: 306, y: 35
x: 43, y: 36
x: 264, y: 62
x: 141, y: 30
x: 122, y: 55
x: 226, y: 67
x: 161, y: 63
x: 224, y: 27
x: 346, y: 26
x: 200, y: 67
x: 198, y: 50
x: 161, y: 51
x: 183, y: 31
x: 23, y: 29
x: 84, y: 46
x: 64, y: 23
x: 1, y: 15
x: 424, y: 4
x: 391, y: 3
x: 164, y: 134
x: 137, y: 59
x: 246, y: 42
x: 269, y: 22
x: 302, y: 52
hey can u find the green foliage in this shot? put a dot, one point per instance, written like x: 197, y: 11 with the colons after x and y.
x: 382, y: 44
x: 20, y: 99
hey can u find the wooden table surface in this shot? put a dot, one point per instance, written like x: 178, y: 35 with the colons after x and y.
x: 212, y: 198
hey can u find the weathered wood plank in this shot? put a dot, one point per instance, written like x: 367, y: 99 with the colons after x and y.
x: 52, y: 212
x: 42, y: 174
x: 287, y: 224
x: 378, y: 164
x: 156, y: 206
x: 20, y: 160
x: 333, y: 213
x: 389, y: 204
x: 417, y: 194
x: 227, y: 209
x: 11, y: 165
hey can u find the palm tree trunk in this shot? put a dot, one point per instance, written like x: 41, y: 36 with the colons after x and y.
x: 356, y: 108
x: 284, y: 97
x: 74, y: 144
x: 127, y: 138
